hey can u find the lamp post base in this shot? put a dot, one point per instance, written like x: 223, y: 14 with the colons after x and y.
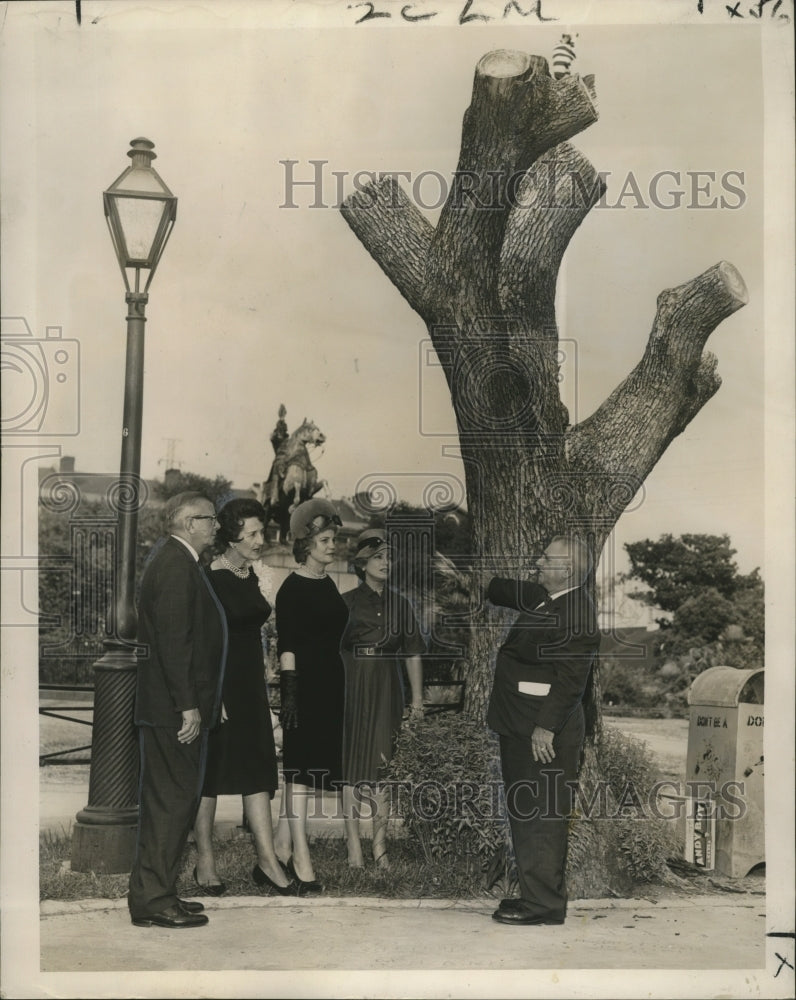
x: 104, y: 834
x: 107, y: 849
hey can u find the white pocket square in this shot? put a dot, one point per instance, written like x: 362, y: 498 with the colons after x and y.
x: 533, y: 687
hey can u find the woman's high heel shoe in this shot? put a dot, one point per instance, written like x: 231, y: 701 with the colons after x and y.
x: 304, y: 888
x: 261, y: 878
x: 215, y: 889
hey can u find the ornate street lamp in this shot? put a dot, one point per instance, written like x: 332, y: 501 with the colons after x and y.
x: 140, y: 211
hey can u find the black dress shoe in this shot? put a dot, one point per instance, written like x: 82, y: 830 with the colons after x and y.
x: 261, y: 878
x: 512, y: 903
x: 304, y: 888
x: 215, y: 889
x: 190, y: 905
x: 522, y: 918
x: 172, y: 916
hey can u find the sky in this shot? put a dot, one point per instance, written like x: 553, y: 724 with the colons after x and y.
x: 256, y: 304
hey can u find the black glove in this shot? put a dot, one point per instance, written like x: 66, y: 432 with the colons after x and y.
x: 288, y: 694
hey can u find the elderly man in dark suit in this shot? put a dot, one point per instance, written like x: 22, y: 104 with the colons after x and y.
x: 178, y: 696
x: 536, y: 708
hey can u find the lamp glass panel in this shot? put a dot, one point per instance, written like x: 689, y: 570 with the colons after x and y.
x: 143, y: 179
x: 140, y: 219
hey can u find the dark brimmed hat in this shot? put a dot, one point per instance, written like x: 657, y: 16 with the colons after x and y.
x: 369, y: 542
x: 302, y: 517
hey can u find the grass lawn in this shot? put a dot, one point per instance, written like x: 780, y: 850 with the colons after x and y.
x: 408, y: 876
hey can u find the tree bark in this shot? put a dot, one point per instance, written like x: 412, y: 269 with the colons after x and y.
x: 484, y: 282
x: 394, y: 233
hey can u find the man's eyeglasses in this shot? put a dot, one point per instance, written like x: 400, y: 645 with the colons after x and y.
x: 203, y: 517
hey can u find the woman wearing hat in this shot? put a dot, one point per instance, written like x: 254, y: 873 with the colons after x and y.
x: 310, y: 619
x: 381, y: 628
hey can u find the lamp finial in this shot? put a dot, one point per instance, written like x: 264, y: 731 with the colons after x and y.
x: 142, y: 152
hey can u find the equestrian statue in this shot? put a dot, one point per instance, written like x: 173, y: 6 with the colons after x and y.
x: 293, y: 478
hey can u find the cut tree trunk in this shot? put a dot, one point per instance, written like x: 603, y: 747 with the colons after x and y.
x: 484, y: 282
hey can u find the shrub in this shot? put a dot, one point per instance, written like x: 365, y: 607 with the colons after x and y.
x: 624, y: 760
x: 615, y: 838
x: 445, y: 780
x: 624, y: 683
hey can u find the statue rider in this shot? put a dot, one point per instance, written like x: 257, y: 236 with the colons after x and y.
x: 279, y: 436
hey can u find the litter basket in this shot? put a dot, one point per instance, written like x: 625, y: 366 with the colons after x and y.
x: 724, y: 769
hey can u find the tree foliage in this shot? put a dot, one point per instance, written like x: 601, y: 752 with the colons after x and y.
x: 180, y: 482
x: 715, y: 610
x: 704, y: 616
x: 676, y: 569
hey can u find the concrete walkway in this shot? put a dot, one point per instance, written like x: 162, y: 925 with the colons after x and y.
x: 274, y: 934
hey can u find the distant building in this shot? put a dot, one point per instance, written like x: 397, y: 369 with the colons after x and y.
x: 634, y: 646
x: 94, y: 487
x: 236, y: 494
x: 617, y: 609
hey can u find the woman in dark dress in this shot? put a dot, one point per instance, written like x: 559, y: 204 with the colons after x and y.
x: 310, y: 619
x: 241, y: 754
x: 381, y: 627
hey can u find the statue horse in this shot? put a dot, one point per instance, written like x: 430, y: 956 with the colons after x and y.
x: 293, y: 478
